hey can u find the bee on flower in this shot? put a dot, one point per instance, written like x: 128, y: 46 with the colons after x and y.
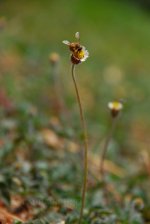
x: 78, y: 55
x: 78, y: 52
x: 115, y: 107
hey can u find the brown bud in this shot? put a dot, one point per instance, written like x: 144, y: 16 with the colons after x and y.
x: 75, y: 60
x: 54, y: 58
x: 114, y: 112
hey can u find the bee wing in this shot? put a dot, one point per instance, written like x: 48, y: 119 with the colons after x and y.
x: 77, y: 35
x: 66, y: 42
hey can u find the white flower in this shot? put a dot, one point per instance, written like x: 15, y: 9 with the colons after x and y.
x: 115, y: 107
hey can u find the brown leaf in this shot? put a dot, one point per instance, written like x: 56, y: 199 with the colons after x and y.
x: 8, y: 218
x: 52, y: 139
x: 109, y: 166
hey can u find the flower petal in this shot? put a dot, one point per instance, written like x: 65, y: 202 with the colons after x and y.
x: 116, y: 105
x: 86, y: 54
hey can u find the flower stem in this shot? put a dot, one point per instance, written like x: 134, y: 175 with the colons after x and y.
x: 85, y: 145
x: 110, y: 134
x: 58, y: 103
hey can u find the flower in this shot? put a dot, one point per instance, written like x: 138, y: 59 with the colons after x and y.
x: 54, y: 58
x: 79, y: 52
x: 115, y: 107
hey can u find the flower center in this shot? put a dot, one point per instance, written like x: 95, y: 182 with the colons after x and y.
x: 117, y: 105
x: 79, y: 54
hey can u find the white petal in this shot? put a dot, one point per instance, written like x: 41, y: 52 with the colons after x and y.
x: 120, y: 106
x: 115, y: 105
x: 77, y: 35
x: 110, y: 105
x: 86, y: 54
x: 66, y: 42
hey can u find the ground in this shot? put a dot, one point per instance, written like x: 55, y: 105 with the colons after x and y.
x: 41, y: 140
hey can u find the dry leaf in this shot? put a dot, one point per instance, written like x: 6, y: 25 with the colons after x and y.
x: 8, y: 218
x: 109, y: 166
x: 51, y: 139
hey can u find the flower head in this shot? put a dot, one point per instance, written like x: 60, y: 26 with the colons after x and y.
x: 78, y: 52
x: 54, y: 58
x: 115, y: 107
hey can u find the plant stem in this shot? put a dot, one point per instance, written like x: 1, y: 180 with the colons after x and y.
x: 58, y: 103
x: 114, y: 122
x: 85, y: 144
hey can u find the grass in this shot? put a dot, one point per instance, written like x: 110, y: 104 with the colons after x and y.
x: 117, y: 35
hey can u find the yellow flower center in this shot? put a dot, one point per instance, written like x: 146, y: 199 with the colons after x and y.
x: 79, y: 54
x: 117, y: 105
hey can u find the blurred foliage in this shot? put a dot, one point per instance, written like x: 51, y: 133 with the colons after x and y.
x: 40, y: 155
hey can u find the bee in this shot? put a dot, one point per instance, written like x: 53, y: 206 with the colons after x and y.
x: 79, y: 52
x: 74, y: 47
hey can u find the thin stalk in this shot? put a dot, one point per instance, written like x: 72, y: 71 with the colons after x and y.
x: 85, y: 145
x: 58, y: 102
x: 104, y: 151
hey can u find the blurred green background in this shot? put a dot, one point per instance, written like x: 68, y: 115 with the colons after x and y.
x: 117, y: 35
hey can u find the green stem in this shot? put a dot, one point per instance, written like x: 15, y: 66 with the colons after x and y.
x: 114, y: 121
x: 85, y: 145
